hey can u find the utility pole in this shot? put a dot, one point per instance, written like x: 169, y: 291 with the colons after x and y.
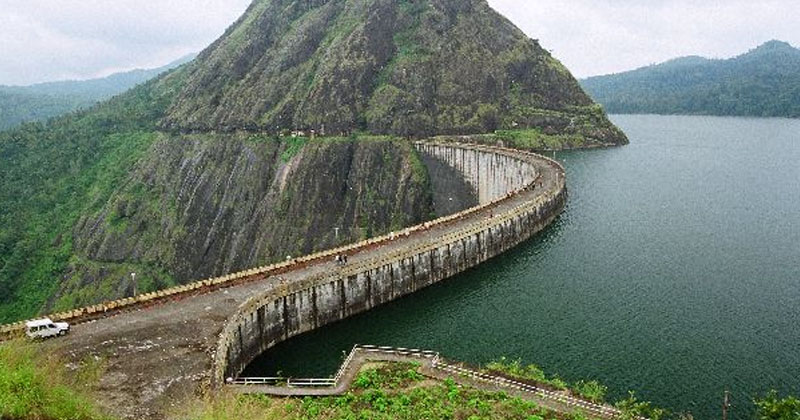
x: 133, y: 279
x: 726, y: 405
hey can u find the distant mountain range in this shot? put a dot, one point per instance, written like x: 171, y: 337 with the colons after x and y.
x: 19, y: 104
x: 764, y: 82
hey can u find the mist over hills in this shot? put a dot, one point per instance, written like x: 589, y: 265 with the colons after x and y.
x: 42, y: 101
x: 764, y: 82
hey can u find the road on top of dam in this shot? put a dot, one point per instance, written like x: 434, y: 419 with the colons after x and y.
x: 157, y: 357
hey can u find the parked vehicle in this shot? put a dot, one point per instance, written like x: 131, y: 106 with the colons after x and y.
x: 45, y: 328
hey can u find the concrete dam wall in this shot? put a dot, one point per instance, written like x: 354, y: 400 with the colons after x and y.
x: 491, y: 175
x: 519, y: 195
x: 163, y: 346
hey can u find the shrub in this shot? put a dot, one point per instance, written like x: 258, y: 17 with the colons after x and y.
x: 772, y: 407
x: 591, y: 390
x: 33, y: 386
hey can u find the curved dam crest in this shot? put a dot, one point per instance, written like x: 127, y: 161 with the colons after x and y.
x: 159, y: 347
x: 278, y: 315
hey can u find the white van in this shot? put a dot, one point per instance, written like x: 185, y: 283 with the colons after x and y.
x: 45, y: 328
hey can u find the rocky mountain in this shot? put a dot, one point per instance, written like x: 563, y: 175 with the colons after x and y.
x: 194, y: 174
x: 402, y: 67
x: 19, y: 104
x: 765, y: 82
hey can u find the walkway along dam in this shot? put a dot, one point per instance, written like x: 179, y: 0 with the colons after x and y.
x: 161, y: 347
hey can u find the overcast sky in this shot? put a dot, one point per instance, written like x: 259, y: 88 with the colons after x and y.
x: 45, y: 40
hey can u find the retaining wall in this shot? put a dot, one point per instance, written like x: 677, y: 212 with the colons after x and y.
x: 500, y: 177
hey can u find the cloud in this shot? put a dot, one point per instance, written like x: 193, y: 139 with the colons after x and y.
x: 604, y: 36
x: 43, y: 40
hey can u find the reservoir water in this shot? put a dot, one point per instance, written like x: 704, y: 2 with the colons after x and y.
x: 675, y: 272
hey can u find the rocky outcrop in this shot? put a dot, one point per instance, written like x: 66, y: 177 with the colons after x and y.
x: 157, y: 181
x: 409, y: 68
x: 204, y: 205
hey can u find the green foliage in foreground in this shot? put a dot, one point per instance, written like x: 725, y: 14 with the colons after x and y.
x: 772, y: 407
x: 395, y: 391
x: 632, y: 409
x: 590, y: 390
x: 36, y: 387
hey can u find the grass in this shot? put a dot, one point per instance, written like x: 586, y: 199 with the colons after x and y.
x: 294, y: 145
x: 515, y: 369
x: 535, y: 139
x: 33, y: 386
x: 390, y: 391
x: 38, y: 387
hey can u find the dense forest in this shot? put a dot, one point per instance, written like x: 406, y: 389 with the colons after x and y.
x: 19, y: 104
x: 764, y: 82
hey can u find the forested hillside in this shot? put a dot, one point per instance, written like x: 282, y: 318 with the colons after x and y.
x: 39, y: 102
x: 764, y: 82
x: 193, y: 174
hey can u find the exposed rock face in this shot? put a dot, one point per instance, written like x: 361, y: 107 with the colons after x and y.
x: 404, y: 67
x: 205, y: 205
x: 158, y: 182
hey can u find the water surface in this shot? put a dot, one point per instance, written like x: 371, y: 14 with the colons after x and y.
x: 675, y: 271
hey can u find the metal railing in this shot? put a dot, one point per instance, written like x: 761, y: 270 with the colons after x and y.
x: 288, y: 382
x: 560, y: 397
x: 437, y: 363
x: 332, y: 382
x: 272, y: 381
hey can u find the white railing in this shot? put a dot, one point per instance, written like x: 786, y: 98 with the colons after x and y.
x: 560, y: 397
x: 438, y: 364
x: 311, y: 383
x: 399, y: 351
x: 273, y: 381
x: 332, y: 382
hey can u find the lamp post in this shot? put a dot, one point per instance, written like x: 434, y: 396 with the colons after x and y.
x: 133, y: 279
x: 726, y: 405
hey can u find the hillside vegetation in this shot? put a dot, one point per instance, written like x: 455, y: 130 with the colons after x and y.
x: 35, y: 386
x: 195, y: 174
x: 40, y: 102
x: 764, y: 82
x: 401, y: 67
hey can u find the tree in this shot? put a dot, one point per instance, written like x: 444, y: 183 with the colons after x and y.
x: 772, y: 407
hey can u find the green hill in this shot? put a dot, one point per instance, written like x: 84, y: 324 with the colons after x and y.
x: 186, y: 176
x: 19, y: 104
x: 764, y: 82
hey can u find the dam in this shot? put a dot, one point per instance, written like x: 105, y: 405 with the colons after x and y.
x: 162, y: 346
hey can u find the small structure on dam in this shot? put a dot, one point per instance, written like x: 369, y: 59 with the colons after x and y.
x: 161, y: 346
